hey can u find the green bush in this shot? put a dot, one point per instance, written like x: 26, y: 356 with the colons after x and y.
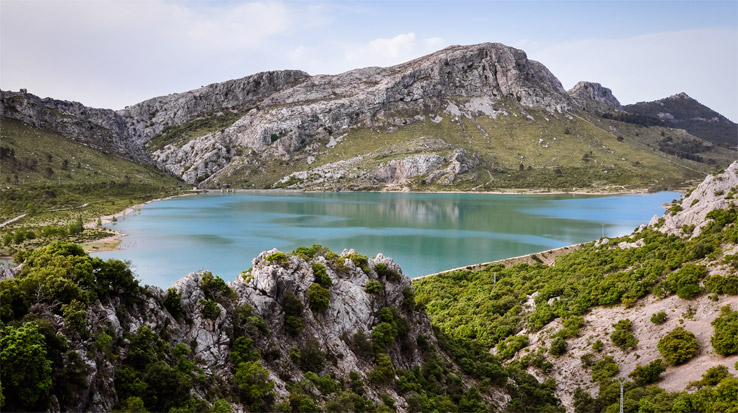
x: 374, y: 287
x: 604, y: 369
x: 318, y: 297
x: 558, y: 346
x: 312, y: 357
x: 686, y: 282
x: 722, y: 284
x: 173, y: 302
x: 292, y: 307
x: 384, y: 373
x: 360, y: 261
x: 713, y: 376
x: 511, y: 345
x: 321, y: 275
x: 597, y: 345
x: 643, y: 375
x: 725, y: 338
x: 622, y: 336
x: 255, y: 388
x: 26, y: 372
x: 243, y: 351
x: 678, y: 346
x: 389, y: 274
x: 658, y: 318
x: 278, y: 258
x: 210, y: 309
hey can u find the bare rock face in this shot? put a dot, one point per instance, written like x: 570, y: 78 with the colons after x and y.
x: 594, y: 98
x: 300, y: 114
x: 102, y: 129
x: 691, y: 211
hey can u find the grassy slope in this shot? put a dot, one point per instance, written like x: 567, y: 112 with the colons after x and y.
x: 591, y: 154
x: 104, y: 182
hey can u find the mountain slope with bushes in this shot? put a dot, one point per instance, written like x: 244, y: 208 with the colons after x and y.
x: 656, y: 306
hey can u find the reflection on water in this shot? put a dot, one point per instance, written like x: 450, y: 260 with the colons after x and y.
x: 424, y: 233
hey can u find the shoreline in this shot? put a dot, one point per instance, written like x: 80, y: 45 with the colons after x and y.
x: 112, y: 242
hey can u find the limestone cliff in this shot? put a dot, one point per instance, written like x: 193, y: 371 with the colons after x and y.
x: 594, y: 98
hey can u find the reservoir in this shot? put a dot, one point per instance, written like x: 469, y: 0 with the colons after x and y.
x: 423, y: 232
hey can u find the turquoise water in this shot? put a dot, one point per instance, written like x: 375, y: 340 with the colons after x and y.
x: 424, y: 233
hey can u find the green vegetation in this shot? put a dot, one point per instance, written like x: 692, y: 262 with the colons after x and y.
x: 643, y: 375
x: 60, y: 184
x: 622, y: 336
x: 725, y: 338
x: 292, y: 306
x: 658, y: 318
x: 471, y: 305
x: 26, y: 370
x: 318, y: 297
x: 678, y: 346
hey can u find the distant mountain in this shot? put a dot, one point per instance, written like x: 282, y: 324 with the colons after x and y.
x: 683, y: 112
x: 480, y: 117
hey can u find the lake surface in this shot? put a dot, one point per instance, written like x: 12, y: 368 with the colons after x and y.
x: 424, y: 233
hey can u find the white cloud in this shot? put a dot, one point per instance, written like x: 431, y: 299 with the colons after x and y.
x: 387, y: 52
x: 702, y: 63
x: 85, y: 50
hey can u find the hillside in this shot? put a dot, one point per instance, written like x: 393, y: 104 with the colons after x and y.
x: 604, y: 310
x: 682, y: 112
x: 305, y: 331
x: 473, y: 118
x: 53, y: 181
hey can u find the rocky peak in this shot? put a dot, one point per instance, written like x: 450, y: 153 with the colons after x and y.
x: 715, y: 192
x: 594, y: 98
x: 102, y: 129
x: 150, y: 117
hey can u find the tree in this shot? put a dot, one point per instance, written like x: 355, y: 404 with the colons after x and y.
x: 643, y: 375
x: 678, y: 346
x: 725, y: 338
x: 26, y: 372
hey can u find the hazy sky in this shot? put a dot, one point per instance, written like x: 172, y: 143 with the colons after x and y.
x: 110, y: 54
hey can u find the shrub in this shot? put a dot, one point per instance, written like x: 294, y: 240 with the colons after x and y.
x: 605, y: 368
x: 713, y: 376
x: 408, y: 299
x: 597, y: 345
x: 361, y: 345
x: 622, y: 336
x: 214, y: 286
x: 374, y: 287
x: 558, y: 346
x: 686, y: 282
x: 658, y: 318
x: 243, y: 351
x: 318, y: 297
x: 571, y: 325
x: 293, y: 313
x: 312, y: 357
x: 173, y: 302
x: 384, y: 373
x: 360, y: 261
x: 389, y: 274
x: 210, y: 309
x: 511, y: 345
x: 255, y: 388
x: 278, y: 258
x: 678, y: 346
x: 643, y: 375
x: 722, y: 284
x: 321, y: 275
x: 26, y: 372
x: 725, y: 338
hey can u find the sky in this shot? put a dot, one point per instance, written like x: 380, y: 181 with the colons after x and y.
x: 111, y: 54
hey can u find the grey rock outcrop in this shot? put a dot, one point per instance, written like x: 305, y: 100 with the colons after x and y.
x: 299, y: 119
x: 594, y: 98
x: 102, y: 129
x: 692, y: 210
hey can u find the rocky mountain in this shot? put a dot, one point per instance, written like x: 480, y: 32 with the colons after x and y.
x: 479, y: 117
x: 102, y: 129
x: 310, y: 330
x: 594, y: 98
x: 683, y: 112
